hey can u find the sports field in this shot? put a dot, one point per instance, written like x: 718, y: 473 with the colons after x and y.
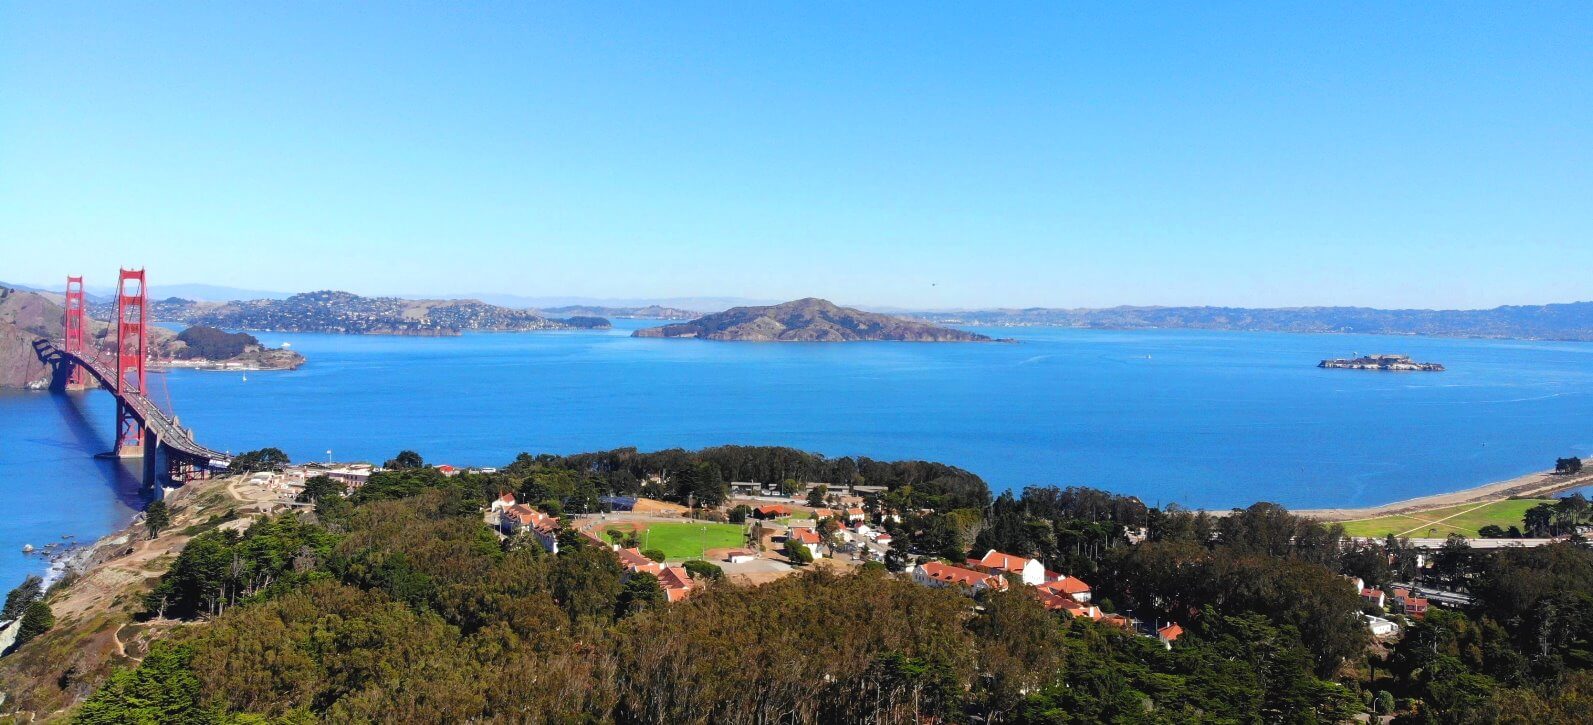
x: 1439, y: 523
x: 686, y: 539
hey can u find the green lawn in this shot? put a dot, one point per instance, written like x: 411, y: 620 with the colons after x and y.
x: 1464, y: 519
x: 687, y: 540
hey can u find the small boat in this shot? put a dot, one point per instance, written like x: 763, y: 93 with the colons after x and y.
x: 27, y: 548
x: 246, y: 377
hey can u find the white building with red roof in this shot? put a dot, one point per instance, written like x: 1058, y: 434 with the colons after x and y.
x: 807, y: 537
x: 1030, y: 571
x: 1068, y: 586
x: 520, y: 517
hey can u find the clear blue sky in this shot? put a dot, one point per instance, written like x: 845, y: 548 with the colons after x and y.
x: 923, y: 155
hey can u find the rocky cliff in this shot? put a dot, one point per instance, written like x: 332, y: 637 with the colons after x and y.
x: 24, y: 318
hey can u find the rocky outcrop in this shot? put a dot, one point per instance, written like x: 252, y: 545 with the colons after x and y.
x: 808, y: 320
x: 24, y: 318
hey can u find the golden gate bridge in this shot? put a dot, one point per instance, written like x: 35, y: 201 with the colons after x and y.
x: 143, y: 430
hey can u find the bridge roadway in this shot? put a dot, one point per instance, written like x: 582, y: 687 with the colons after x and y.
x: 162, y: 428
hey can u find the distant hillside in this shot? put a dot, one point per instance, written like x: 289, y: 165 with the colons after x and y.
x: 808, y: 320
x: 650, y: 312
x: 1573, y: 321
x: 343, y: 312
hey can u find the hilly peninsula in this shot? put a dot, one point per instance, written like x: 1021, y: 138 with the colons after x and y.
x: 808, y: 320
x: 347, y: 313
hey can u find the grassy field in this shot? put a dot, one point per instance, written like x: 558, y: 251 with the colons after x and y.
x: 1438, y: 523
x: 687, y: 540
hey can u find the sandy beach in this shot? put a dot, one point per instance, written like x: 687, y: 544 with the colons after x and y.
x: 1531, y: 485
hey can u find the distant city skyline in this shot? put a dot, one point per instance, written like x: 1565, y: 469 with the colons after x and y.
x: 884, y: 155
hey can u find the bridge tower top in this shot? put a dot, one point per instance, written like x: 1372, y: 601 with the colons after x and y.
x: 132, y: 298
x: 72, y: 327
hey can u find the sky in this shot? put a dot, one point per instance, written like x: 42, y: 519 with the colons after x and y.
x: 924, y: 155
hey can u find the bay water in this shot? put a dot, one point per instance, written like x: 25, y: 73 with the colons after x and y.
x: 1201, y: 418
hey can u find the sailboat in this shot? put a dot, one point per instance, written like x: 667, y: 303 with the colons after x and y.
x: 246, y: 377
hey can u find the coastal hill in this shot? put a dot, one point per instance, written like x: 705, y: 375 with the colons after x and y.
x: 1571, y: 321
x: 29, y: 316
x: 808, y: 320
x: 347, y: 313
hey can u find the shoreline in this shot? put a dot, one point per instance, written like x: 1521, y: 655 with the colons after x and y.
x: 1531, y: 485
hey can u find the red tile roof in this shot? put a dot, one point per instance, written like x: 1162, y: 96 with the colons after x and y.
x: 943, y: 572
x: 1170, y: 632
x: 1005, y: 562
x: 804, y: 535
x: 633, y: 560
x: 1066, y: 585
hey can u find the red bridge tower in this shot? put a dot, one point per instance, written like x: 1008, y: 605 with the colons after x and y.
x: 73, y: 325
x: 132, y: 299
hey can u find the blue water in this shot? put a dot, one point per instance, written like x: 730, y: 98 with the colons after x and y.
x: 1210, y: 419
x: 51, y: 482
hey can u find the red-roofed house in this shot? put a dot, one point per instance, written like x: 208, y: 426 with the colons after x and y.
x: 1029, y: 570
x: 853, y: 515
x: 1374, y: 596
x: 1119, y: 621
x: 633, y: 560
x: 1409, y: 604
x: 807, y: 537
x: 502, y: 502
x: 1068, y: 586
x: 521, y: 517
x: 1169, y: 634
x: 1063, y: 603
x: 820, y: 514
x: 676, y: 582
x: 940, y: 574
x: 771, y: 511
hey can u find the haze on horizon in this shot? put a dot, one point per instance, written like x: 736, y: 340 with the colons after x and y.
x: 887, y: 155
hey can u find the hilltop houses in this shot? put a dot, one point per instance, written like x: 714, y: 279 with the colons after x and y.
x: 518, y: 518
x: 1056, y: 592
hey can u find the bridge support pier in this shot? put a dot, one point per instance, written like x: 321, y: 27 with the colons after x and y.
x: 151, y: 450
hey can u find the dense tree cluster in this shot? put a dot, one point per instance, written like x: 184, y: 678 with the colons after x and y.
x: 397, y: 604
x: 264, y: 459
x: 209, y: 343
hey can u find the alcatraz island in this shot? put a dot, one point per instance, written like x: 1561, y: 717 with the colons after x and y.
x: 1382, y: 362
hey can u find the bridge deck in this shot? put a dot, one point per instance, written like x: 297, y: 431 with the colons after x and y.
x: 172, y: 436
